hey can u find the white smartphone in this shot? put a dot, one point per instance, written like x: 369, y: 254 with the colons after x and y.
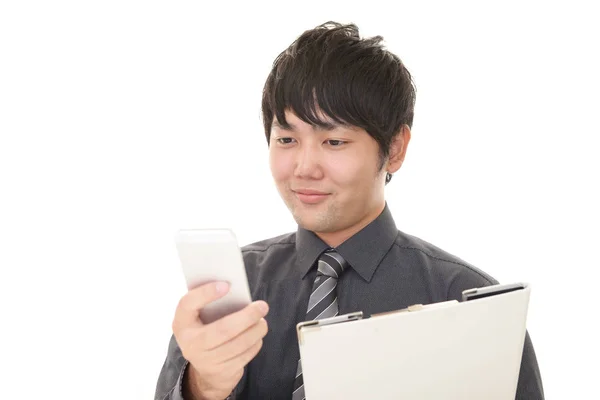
x: 209, y: 255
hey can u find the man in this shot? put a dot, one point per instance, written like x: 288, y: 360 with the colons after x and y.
x: 337, y: 113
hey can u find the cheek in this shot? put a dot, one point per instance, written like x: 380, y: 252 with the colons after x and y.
x: 280, y: 165
x: 349, y: 171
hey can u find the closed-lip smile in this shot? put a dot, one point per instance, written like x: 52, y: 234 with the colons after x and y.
x: 309, y: 192
x: 310, y: 196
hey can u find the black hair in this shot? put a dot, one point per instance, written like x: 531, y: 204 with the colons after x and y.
x: 330, y: 71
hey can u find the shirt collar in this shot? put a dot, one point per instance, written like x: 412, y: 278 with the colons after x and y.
x: 363, y: 251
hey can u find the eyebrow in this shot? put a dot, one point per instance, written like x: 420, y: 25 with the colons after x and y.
x: 327, y: 126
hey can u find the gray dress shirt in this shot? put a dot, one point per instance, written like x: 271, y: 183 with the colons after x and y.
x: 390, y: 270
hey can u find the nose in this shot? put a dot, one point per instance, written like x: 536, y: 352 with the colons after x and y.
x: 308, y: 163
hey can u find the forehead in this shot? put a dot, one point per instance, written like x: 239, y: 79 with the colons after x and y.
x: 295, y: 124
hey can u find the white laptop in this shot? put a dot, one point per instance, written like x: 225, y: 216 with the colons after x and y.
x: 444, y: 351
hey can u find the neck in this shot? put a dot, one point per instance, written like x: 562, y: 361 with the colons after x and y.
x: 334, y: 239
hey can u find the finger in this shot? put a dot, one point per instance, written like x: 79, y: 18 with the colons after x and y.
x: 243, y: 359
x: 232, y: 325
x: 238, y: 345
x: 196, y: 299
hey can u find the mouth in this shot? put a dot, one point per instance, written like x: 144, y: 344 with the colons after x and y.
x: 310, y: 196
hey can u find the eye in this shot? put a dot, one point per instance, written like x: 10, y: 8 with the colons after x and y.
x: 285, y: 140
x: 336, y: 143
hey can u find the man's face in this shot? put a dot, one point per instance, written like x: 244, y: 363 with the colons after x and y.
x: 329, y: 179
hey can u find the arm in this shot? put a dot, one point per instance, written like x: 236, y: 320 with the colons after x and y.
x: 218, y: 352
x: 170, y: 380
x: 530, y: 381
x: 172, y: 383
x: 529, y: 386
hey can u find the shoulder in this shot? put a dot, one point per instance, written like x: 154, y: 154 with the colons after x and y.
x: 450, y: 273
x: 278, y: 242
x: 264, y: 259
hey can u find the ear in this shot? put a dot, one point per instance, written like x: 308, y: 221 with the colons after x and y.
x: 398, y: 149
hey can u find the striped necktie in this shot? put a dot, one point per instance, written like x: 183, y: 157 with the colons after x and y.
x: 322, y: 302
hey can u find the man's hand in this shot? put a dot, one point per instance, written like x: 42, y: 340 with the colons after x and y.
x: 219, y: 351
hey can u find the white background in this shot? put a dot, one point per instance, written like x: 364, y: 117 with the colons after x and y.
x: 124, y: 121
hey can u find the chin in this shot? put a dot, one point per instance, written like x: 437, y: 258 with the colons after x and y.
x: 314, y: 221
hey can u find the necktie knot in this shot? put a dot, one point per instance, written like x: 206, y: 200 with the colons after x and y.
x: 331, y: 264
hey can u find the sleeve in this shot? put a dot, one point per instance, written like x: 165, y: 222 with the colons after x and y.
x: 170, y: 380
x: 529, y: 386
x: 530, y: 381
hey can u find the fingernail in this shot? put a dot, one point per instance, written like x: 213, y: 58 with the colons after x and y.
x: 222, y: 287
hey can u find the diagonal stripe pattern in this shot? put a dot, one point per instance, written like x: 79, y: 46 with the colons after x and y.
x: 322, y: 302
